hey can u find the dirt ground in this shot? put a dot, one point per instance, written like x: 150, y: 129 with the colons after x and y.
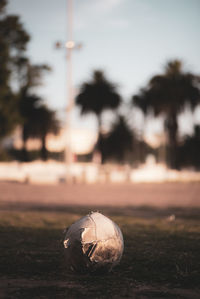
x: 145, y: 194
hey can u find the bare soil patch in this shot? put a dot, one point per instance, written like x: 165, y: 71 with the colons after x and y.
x: 157, y: 194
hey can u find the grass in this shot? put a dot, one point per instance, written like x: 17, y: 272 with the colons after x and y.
x: 161, y: 258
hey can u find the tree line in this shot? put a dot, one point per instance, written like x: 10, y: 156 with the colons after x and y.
x: 167, y: 94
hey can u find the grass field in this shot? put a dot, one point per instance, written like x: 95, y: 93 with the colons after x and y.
x: 161, y: 257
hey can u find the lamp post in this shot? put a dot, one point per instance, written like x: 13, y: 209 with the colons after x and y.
x: 69, y: 46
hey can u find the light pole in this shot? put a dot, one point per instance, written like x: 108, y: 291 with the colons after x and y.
x: 70, y: 45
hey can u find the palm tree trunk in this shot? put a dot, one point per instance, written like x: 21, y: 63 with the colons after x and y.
x: 99, y: 118
x: 172, y: 128
x: 97, y: 149
x: 24, y: 150
x: 44, y: 154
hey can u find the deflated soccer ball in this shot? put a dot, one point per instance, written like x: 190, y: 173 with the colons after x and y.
x: 93, y: 244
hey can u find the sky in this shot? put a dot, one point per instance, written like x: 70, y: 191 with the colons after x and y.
x: 131, y: 40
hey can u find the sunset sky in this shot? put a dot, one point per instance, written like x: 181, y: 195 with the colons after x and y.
x: 130, y: 40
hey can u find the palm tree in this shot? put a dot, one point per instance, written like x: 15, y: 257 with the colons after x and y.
x: 118, y: 142
x: 13, y: 42
x: 27, y: 108
x: 45, y: 123
x: 97, y: 96
x: 190, y: 149
x: 38, y: 122
x: 36, y: 119
x: 169, y: 94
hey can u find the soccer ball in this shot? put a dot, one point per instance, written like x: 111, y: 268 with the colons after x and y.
x: 93, y: 244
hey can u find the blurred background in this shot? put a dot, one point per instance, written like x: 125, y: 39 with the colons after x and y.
x: 99, y: 90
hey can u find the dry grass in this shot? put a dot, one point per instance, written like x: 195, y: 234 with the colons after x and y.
x: 161, y: 257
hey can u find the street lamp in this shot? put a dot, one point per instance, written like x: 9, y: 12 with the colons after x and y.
x: 69, y: 46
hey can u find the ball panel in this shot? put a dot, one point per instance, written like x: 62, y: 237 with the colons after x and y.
x: 88, y: 235
x: 105, y: 228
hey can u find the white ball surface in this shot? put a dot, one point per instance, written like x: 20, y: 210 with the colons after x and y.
x: 93, y: 243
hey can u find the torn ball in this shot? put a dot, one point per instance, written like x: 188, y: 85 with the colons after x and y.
x: 93, y: 244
